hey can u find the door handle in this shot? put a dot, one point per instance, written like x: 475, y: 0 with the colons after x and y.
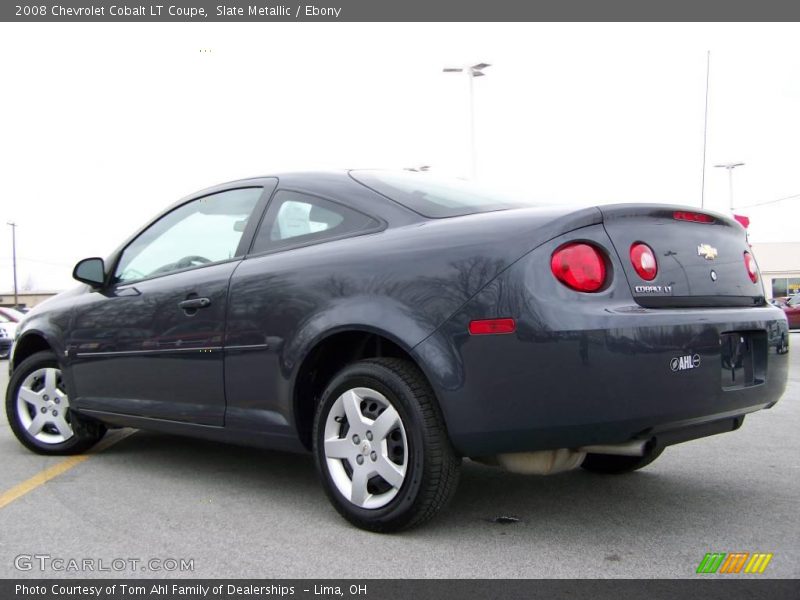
x: 194, y: 303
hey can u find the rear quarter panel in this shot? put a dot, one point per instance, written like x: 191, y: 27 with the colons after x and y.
x: 401, y: 283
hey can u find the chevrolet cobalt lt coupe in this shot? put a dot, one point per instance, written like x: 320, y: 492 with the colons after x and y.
x: 392, y: 323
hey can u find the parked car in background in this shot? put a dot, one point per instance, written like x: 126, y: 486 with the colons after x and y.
x: 12, y: 314
x: 792, y: 311
x: 394, y: 323
x: 8, y: 329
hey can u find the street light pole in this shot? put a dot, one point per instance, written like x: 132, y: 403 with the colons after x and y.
x: 14, y: 258
x: 471, y: 72
x: 730, y: 167
x: 473, y: 158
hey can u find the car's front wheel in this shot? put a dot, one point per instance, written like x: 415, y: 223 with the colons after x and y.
x: 381, y: 447
x: 38, y: 410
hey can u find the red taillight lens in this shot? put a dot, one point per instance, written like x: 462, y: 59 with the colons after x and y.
x: 750, y: 265
x: 694, y: 217
x: 492, y: 326
x: 743, y: 221
x: 579, y: 266
x: 644, y: 261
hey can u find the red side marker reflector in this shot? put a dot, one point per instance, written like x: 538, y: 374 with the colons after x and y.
x: 693, y: 217
x: 492, y: 326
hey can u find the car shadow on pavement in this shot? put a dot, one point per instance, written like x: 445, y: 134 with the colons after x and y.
x: 577, y: 504
x: 236, y: 466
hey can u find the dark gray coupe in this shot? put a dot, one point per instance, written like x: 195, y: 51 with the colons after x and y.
x: 393, y: 323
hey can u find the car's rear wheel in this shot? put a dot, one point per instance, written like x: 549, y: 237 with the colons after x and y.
x: 381, y: 447
x: 612, y: 464
x: 38, y: 410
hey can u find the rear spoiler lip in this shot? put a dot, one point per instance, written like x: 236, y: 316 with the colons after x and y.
x: 642, y: 209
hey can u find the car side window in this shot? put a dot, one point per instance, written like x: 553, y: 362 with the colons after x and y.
x: 295, y: 219
x: 203, y: 231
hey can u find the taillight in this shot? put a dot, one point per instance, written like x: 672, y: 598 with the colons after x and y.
x: 579, y: 266
x: 750, y: 265
x: 743, y: 221
x: 694, y: 217
x: 644, y: 261
x: 492, y: 326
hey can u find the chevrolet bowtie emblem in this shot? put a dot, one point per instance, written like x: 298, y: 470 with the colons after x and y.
x: 707, y: 251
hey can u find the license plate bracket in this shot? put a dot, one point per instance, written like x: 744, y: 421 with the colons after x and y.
x: 744, y: 359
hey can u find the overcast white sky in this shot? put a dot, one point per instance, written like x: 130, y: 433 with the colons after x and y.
x: 103, y: 125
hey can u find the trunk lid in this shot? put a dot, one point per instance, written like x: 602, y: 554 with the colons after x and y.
x: 700, y: 264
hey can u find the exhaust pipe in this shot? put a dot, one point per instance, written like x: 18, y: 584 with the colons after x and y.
x: 634, y: 448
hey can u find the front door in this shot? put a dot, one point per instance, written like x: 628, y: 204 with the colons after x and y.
x: 150, y: 344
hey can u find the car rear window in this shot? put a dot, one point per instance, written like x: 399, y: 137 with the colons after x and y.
x: 433, y: 196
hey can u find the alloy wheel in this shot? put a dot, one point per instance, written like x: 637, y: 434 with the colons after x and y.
x: 43, y: 406
x: 366, y: 448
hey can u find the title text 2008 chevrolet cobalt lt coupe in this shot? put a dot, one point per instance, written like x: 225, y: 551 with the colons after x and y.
x: 392, y: 323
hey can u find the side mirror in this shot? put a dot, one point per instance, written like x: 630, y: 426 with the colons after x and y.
x: 91, y: 271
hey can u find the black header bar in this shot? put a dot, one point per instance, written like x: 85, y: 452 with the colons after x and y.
x: 200, y: 11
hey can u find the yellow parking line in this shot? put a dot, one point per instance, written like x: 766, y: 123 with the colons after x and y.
x: 57, y: 469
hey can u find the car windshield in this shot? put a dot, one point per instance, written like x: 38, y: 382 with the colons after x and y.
x: 433, y: 196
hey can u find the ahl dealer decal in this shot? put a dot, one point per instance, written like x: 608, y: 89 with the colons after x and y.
x: 684, y: 363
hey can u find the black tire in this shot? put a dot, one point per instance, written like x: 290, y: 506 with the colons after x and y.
x: 85, y: 433
x: 432, y: 466
x: 611, y: 464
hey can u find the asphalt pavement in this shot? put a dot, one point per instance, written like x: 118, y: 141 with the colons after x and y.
x: 227, y: 511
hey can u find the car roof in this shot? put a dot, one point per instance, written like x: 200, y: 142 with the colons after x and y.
x: 336, y: 185
x: 293, y: 177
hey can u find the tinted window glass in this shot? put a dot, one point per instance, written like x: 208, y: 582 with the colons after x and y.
x: 295, y: 218
x: 436, y: 197
x: 206, y: 230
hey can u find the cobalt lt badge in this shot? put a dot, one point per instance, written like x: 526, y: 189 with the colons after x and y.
x: 707, y: 251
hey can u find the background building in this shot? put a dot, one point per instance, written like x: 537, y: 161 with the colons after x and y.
x: 780, y: 267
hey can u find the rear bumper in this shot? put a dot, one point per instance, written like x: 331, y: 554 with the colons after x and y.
x: 5, y: 347
x: 605, y: 377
